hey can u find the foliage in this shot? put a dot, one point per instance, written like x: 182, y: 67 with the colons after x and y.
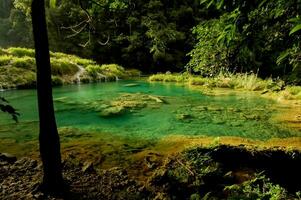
x: 224, y: 80
x: 12, y: 77
x: 113, y: 70
x: 297, y: 25
x: 237, y: 36
x: 259, y: 187
x: 148, y: 35
x: 106, y: 72
x: 23, y: 62
x: 245, y: 36
x: 63, y: 66
x: 5, y: 59
x: 168, y: 77
x: 292, y: 92
x: 20, y: 52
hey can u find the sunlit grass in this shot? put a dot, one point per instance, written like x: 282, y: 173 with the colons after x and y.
x: 245, y: 81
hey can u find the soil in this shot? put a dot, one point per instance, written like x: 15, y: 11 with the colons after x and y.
x: 198, y: 173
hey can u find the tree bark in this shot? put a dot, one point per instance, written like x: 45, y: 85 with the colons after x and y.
x: 48, y: 136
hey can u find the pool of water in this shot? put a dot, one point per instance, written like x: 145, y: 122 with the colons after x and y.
x: 163, y: 110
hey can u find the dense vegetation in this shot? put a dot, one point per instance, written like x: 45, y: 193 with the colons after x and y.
x: 238, y: 81
x: 204, y: 37
x: 236, y: 44
x: 17, y: 69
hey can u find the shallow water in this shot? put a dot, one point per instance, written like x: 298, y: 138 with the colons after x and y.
x: 183, y: 112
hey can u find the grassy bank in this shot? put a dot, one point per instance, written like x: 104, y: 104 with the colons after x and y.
x: 247, y: 82
x: 17, y: 69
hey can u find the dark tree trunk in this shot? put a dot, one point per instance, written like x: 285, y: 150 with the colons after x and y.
x: 48, y: 137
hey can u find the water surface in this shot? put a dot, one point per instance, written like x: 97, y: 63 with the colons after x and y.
x: 183, y: 112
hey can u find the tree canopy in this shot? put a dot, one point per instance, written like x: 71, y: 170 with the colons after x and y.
x: 202, y: 36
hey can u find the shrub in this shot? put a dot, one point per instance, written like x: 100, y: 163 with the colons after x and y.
x: 56, y: 81
x: 20, y: 52
x: 197, y: 81
x: 24, y: 62
x: 156, y: 77
x: 93, y: 71
x: 258, y: 188
x: 83, y: 62
x: 167, y: 77
x: 72, y: 58
x: 294, y: 90
x: 12, y: 77
x: 5, y: 60
x: 113, y: 70
x: 62, y: 67
x: 133, y: 72
x: 3, y: 52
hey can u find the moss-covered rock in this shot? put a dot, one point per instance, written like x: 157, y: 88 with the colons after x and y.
x: 112, y: 111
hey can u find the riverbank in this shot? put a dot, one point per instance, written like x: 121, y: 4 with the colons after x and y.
x: 238, y: 82
x: 18, y: 70
x: 219, y: 172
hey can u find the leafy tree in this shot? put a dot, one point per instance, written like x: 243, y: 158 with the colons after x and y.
x: 243, y: 36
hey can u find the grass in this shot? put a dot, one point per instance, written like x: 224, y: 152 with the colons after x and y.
x: 107, y: 72
x: 5, y: 60
x: 13, y: 77
x: 291, y: 93
x: 246, y: 81
x: 25, y: 62
x: 20, y: 52
x: 63, y: 66
x: 18, y: 69
x: 72, y: 58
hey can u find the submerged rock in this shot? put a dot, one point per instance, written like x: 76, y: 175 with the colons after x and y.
x: 184, y: 116
x: 157, y: 99
x: 131, y: 85
x: 112, y: 111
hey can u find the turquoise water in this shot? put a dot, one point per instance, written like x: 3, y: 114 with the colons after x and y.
x: 183, y: 112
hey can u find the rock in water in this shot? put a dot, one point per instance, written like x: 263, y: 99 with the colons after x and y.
x: 131, y: 85
x: 112, y: 111
x: 157, y: 99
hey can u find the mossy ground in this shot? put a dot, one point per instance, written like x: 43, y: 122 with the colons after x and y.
x: 167, y: 171
x: 17, y: 69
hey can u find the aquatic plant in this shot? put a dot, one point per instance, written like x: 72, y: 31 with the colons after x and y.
x: 244, y: 81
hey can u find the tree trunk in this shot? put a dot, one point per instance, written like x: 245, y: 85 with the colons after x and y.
x: 48, y: 136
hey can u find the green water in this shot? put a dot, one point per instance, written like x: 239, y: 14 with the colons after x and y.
x: 184, y: 112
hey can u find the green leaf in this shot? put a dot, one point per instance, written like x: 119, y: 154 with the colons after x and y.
x: 283, y: 55
x: 52, y: 3
x: 295, y: 29
x: 295, y: 20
